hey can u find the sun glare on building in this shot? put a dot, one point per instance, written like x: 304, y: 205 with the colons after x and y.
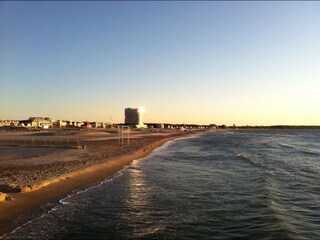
x: 133, y: 117
x: 141, y: 110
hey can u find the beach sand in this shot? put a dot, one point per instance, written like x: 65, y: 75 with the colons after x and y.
x: 33, y: 176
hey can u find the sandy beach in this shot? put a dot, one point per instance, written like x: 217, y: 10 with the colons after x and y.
x: 33, y: 176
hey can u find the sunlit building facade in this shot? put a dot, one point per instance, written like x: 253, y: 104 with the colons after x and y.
x: 133, y: 116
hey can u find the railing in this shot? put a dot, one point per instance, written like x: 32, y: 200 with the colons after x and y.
x: 48, y: 143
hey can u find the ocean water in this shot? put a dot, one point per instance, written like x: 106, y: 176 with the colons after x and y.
x: 215, y: 185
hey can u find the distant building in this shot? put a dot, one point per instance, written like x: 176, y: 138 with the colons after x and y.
x: 98, y: 124
x: 38, y: 122
x: 87, y: 125
x: 61, y: 123
x: 133, y: 116
x: 12, y: 123
x: 155, y: 125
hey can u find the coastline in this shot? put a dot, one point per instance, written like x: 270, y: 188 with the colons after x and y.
x: 62, y: 185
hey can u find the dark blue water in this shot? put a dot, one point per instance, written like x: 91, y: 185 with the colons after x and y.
x: 216, y: 185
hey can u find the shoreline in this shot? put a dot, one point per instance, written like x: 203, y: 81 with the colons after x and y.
x: 62, y: 185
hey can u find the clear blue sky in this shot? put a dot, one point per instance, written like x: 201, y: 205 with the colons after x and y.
x: 196, y: 62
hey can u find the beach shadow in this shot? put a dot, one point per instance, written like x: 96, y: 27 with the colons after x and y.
x: 8, y: 189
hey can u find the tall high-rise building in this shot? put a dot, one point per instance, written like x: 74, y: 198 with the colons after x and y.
x: 133, y: 116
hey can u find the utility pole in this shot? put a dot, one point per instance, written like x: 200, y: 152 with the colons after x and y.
x: 120, y: 134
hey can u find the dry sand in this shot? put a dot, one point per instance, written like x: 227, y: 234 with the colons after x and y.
x: 33, y: 176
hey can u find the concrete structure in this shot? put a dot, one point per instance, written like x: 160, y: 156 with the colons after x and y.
x: 67, y: 123
x: 87, y: 125
x: 98, y: 124
x: 155, y: 125
x: 12, y: 123
x: 61, y: 123
x: 22, y: 124
x: 178, y: 126
x: 133, y: 117
x: 37, y: 122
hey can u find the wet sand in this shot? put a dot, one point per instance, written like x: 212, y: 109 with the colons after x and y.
x: 35, y: 176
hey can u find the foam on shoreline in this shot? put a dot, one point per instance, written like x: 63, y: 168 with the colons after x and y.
x: 61, y: 186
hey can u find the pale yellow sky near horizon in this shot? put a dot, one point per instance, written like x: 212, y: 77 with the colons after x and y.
x: 243, y: 63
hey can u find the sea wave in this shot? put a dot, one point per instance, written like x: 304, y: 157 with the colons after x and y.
x: 287, y: 145
x: 244, y: 158
x: 64, y: 201
x: 232, y: 190
x: 300, y: 149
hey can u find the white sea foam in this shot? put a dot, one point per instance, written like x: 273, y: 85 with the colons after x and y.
x: 64, y: 201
